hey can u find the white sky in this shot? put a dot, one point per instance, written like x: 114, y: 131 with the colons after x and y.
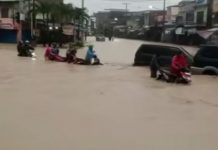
x: 134, y: 5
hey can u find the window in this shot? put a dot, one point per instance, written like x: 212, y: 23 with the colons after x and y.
x: 215, y: 18
x: 5, y: 12
x: 210, y: 52
x: 147, y: 49
x: 200, y: 17
x: 190, y: 17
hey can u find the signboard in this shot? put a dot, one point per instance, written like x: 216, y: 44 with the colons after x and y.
x: 68, y: 30
x: 7, y: 23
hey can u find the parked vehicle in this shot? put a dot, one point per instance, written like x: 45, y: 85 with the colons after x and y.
x: 100, y: 37
x: 153, y: 33
x: 145, y: 53
x: 206, y: 60
x: 187, y: 35
x: 209, y: 36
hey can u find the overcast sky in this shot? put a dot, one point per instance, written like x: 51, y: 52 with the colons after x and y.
x: 134, y: 5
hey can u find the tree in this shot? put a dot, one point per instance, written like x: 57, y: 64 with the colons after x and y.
x: 80, y: 14
x: 40, y: 7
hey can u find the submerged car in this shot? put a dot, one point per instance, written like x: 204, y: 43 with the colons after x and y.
x: 100, y: 37
x: 145, y: 53
x: 206, y: 60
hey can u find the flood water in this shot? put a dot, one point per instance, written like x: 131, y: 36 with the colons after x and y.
x: 57, y: 106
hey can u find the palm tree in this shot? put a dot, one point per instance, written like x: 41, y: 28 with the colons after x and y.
x: 80, y: 14
x: 39, y: 7
x: 43, y: 8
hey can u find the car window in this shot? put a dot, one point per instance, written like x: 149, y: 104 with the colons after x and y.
x: 147, y: 49
x: 169, y: 51
x: 210, y: 52
x: 160, y: 50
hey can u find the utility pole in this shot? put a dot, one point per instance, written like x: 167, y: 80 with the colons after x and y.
x: 164, y: 14
x: 32, y: 17
x: 19, y: 22
x: 126, y: 14
x: 83, y: 4
x: 164, y: 18
x: 126, y: 8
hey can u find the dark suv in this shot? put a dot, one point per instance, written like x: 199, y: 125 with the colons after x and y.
x: 145, y: 53
x: 206, y: 60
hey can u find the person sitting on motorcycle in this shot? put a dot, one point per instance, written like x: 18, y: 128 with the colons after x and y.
x: 55, y: 49
x: 91, y: 55
x: 27, y: 49
x: 48, y: 53
x: 179, y: 63
x: 52, y: 53
x: 71, y: 54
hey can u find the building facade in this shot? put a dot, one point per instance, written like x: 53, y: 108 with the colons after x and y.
x: 201, y: 13
x: 8, y: 11
x: 52, y: 1
x: 215, y: 13
x: 153, y: 17
x: 172, y: 13
x: 106, y: 20
x: 135, y: 19
x: 186, y: 13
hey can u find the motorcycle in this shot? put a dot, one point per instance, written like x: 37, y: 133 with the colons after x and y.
x: 184, y: 76
x: 32, y: 53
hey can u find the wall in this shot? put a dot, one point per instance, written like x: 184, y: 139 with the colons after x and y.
x: 172, y: 13
x: 13, y: 8
x: 153, y: 18
x: 187, y: 12
x: 10, y: 36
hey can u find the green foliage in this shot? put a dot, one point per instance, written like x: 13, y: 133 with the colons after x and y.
x: 59, y: 13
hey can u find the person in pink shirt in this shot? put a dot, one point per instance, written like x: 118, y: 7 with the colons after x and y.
x: 50, y: 55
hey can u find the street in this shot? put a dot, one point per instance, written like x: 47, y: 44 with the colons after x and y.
x: 58, y: 106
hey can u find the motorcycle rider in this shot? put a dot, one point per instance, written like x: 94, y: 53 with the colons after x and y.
x: 71, y: 54
x: 52, y: 53
x: 179, y: 63
x: 27, y: 49
x: 55, y: 49
x: 90, y: 55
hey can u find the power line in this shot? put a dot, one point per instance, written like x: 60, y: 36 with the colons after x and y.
x: 126, y: 4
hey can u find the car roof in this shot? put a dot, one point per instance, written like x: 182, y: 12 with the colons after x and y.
x: 168, y: 46
x: 163, y: 45
x: 208, y: 45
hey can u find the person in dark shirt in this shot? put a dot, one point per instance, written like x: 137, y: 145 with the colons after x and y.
x: 154, y: 66
x: 20, y: 47
x: 27, y: 49
x: 71, y: 53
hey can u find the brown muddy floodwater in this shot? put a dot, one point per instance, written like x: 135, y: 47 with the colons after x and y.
x: 58, y: 106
